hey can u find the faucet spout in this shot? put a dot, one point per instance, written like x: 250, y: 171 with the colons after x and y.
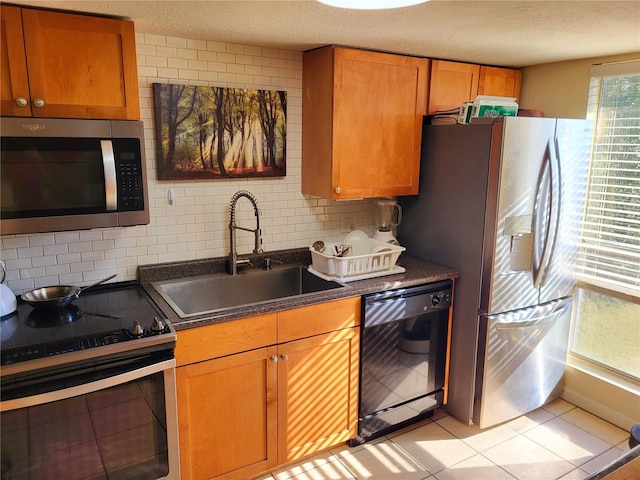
x: 233, y: 255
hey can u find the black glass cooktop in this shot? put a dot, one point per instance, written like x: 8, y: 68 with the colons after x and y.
x: 100, y: 317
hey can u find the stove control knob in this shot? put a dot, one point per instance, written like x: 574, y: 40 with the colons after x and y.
x: 136, y: 330
x: 157, y: 326
x: 435, y: 300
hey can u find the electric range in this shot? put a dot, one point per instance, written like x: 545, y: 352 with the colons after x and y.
x: 89, y: 390
x: 109, y: 320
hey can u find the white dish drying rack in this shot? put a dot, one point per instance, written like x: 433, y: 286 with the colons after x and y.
x: 366, y: 258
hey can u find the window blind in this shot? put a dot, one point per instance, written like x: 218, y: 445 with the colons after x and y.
x: 610, y: 244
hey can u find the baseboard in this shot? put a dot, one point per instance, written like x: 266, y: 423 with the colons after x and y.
x: 610, y: 402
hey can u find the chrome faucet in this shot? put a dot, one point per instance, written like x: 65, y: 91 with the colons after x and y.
x: 233, y: 255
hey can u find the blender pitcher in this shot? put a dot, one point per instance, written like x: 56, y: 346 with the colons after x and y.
x: 388, y: 215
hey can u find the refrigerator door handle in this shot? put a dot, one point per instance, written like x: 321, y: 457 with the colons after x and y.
x: 540, y: 270
x: 535, y: 321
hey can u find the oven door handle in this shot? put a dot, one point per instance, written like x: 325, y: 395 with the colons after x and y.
x: 78, y: 390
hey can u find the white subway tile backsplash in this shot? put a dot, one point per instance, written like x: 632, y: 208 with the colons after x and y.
x: 29, y: 252
x: 82, y: 267
x: 147, y: 71
x: 156, y: 62
x: 150, y: 39
x: 196, y: 226
x: 17, y: 264
x: 216, y: 46
x: 44, y: 261
x: 197, y: 44
x: 187, y: 75
x: 92, y: 256
x: 167, y: 52
x: 173, y: 42
x: 34, y: 272
x: 59, y: 269
x: 70, y: 258
x: 67, y: 237
x: 179, y: 63
x: 80, y: 247
x: 187, y: 54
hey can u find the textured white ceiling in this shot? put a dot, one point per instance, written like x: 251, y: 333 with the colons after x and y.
x: 509, y: 33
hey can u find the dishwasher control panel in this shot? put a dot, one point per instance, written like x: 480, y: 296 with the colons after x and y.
x: 440, y: 300
x: 394, y: 305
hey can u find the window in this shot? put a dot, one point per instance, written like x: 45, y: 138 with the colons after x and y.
x: 607, y: 320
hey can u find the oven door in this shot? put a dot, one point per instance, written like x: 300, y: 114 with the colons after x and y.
x: 121, y: 425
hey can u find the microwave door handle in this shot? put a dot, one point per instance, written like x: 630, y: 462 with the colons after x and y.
x: 110, y: 182
x: 85, y: 388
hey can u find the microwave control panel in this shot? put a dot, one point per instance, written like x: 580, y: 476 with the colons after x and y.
x: 129, y: 173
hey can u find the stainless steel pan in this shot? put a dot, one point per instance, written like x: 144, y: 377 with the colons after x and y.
x: 56, y: 296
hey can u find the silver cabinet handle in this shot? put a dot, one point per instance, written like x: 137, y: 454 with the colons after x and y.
x: 273, y: 358
x: 22, y: 102
x: 38, y: 102
x: 337, y: 189
x: 284, y: 357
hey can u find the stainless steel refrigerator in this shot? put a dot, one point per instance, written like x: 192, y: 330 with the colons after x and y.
x: 502, y: 202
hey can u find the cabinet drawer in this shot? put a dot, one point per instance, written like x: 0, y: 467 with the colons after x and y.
x: 212, y: 341
x: 316, y: 319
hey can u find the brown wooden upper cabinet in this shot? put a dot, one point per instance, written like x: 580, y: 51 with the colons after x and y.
x: 361, y: 123
x: 67, y: 66
x: 453, y: 83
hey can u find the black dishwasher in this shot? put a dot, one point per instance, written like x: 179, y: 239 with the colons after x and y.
x: 402, y: 357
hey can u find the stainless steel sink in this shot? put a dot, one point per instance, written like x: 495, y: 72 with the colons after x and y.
x: 198, y: 295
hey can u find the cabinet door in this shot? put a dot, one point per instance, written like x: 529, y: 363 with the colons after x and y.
x: 227, y: 416
x: 452, y: 84
x: 500, y: 82
x: 81, y: 66
x: 14, y: 84
x: 362, y: 123
x: 379, y: 102
x: 317, y: 393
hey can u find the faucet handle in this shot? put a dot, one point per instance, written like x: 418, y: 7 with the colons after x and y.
x: 268, y: 261
x: 245, y: 262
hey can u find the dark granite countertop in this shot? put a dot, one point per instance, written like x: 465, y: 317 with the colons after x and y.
x: 417, y: 272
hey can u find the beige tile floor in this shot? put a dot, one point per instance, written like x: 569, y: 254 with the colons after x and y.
x: 556, y: 442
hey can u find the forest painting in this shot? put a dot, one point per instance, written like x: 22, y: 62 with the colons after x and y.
x: 214, y: 132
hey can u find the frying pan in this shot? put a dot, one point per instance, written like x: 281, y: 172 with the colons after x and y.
x: 56, y: 296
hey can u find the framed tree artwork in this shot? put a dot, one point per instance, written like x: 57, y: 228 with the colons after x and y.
x: 214, y: 132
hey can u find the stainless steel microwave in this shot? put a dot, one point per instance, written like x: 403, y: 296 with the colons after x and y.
x: 60, y: 174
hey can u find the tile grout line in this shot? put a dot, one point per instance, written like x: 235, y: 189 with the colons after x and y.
x: 389, y: 439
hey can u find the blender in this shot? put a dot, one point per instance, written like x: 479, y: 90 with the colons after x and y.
x: 388, y: 215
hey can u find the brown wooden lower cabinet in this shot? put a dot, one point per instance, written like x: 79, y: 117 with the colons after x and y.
x: 245, y: 413
x: 317, y: 393
x: 227, y: 416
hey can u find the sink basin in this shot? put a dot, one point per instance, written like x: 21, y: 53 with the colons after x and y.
x: 191, y: 296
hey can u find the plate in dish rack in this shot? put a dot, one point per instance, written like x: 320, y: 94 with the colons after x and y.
x: 359, y: 242
x: 355, y: 236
